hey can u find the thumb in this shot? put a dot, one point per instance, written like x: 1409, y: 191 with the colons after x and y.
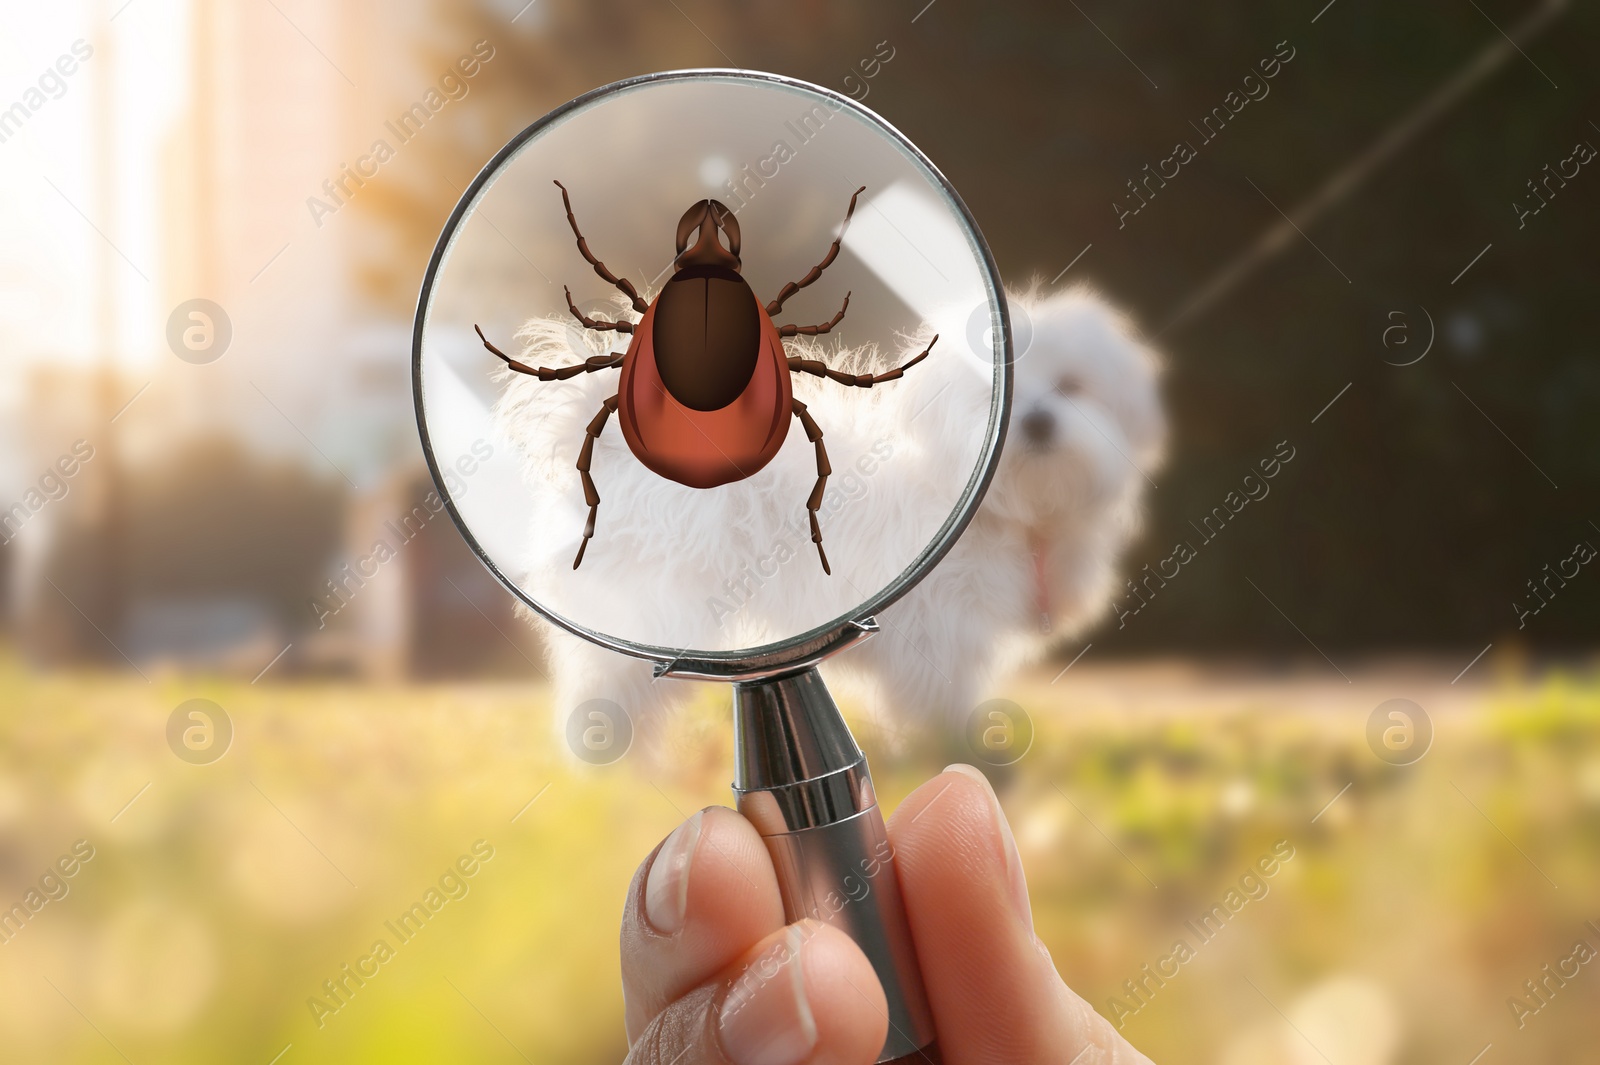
x: 995, y: 994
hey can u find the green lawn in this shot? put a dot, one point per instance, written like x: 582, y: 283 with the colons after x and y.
x: 221, y: 898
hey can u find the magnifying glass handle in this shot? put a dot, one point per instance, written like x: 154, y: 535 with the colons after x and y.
x: 803, y: 782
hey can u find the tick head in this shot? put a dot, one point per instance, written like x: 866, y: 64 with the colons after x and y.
x: 708, y: 217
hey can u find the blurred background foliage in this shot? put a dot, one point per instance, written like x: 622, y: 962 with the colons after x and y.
x: 1040, y: 122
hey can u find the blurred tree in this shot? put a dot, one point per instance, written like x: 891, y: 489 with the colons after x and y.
x: 552, y: 52
x: 1424, y: 500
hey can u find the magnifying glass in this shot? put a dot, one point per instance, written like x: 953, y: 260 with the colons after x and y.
x: 703, y: 340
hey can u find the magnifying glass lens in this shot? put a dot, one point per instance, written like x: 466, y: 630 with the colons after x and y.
x: 688, y: 401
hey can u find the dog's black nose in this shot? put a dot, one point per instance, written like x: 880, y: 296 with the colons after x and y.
x: 1038, y: 427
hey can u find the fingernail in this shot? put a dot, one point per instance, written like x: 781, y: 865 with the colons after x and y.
x: 765, y: 1018
x: 1019, y: 881
x: 666, y: 888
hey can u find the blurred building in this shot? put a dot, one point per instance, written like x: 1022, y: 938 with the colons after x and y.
x: 314, y: 376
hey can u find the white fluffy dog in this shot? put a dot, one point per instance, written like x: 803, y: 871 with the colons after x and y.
x: 1035, y: 565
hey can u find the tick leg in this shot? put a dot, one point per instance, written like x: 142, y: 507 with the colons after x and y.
x: 862, y: 380
x: 814, y: 503
x: 623, y: 284
x: 591, y: 495
x: 814, y: 330
x: 816, y: 271
x: 560, y: 373
x: 590, y: 323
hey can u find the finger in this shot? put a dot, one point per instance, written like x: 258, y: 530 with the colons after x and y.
x: 804, y: 995
x: 995, y: 995
x: 702, y: 899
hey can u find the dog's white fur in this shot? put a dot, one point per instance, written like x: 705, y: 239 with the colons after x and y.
x: 1086, y: 430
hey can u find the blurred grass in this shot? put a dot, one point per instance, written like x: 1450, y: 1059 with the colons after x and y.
x: 220, y: 900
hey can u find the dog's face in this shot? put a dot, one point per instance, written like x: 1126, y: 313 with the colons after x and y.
x: 1086, y: 425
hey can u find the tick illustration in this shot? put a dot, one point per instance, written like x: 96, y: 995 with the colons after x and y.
x: 705, y: 397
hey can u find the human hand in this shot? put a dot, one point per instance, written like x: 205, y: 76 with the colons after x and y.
x: 711, y: 975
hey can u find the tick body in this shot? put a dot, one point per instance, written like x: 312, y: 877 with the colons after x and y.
x: 705, y: 427
x: 705, y: 396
